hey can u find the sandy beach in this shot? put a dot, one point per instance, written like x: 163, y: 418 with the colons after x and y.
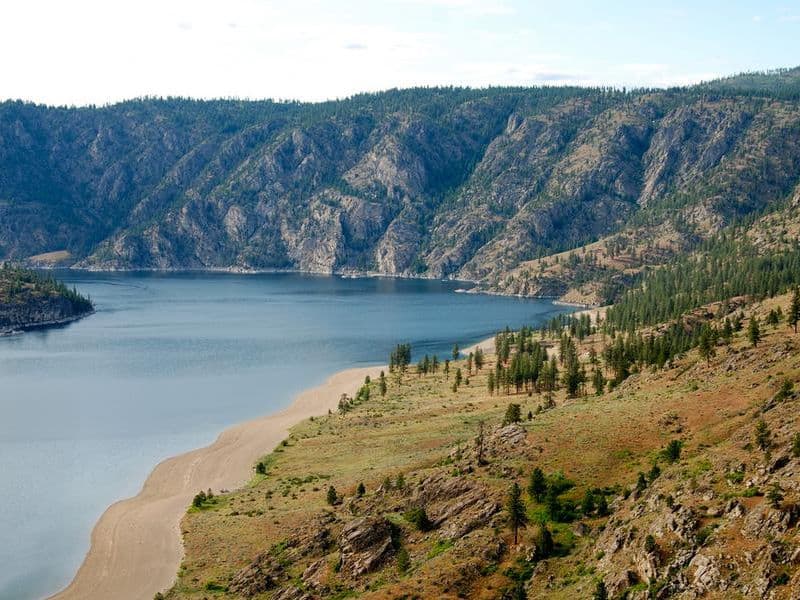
x: 136, y: 546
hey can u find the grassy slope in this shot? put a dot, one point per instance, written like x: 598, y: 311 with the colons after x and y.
x: 596, y: 441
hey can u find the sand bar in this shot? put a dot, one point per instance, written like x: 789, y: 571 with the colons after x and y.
x: 136, y: 546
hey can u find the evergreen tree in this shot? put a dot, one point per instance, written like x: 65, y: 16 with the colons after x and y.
x: 382, y: 384
x: 456, y: 351
x: 361, y: 489
x: 775, y: 495
x: 515, y: 507
x: 543, y: 539
x: 753, y: 332
x: 537, y: 485
x: 479, y: 359
x: 513, y: 414
x: 794, y: 308
x: 490, y: 382
x: 479, y: 442
x: 598, y: 381
x: 602, y: 505
x: 587, y: 504
x: 763, y: 436
x: 332, y: 497
x: 672, y: 452
x: 600, y: 592
x: 705, y: 345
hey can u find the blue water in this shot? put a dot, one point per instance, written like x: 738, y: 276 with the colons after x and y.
x: 165, y: 364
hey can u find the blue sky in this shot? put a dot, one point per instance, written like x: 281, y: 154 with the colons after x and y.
x: 98, y: 51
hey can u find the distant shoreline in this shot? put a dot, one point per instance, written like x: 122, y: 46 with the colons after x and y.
x: 55, y: 323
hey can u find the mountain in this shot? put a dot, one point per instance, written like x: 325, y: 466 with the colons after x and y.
x: 440, y: 182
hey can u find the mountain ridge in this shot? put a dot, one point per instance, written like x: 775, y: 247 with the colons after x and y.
x: 437, y: 182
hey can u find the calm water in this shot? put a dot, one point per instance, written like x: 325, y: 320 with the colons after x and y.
x: 165, y: 364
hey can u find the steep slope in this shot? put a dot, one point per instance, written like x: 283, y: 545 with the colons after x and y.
x: 699, y: 523
x: 442, y: 182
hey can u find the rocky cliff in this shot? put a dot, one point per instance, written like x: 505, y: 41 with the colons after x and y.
x: 28, y: 300
x: 427, y: 182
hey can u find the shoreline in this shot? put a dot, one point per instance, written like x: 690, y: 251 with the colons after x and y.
x: 53, y: 323
x: 136, y: 546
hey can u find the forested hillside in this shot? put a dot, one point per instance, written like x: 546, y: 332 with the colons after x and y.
x: 439, y: 182
x: 28, y: 299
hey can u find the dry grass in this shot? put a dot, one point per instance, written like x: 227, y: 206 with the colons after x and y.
x: 597, y: 441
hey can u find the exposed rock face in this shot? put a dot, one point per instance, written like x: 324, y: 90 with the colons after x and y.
x: 455, y: 505
x: 36, y: 313
x: 263, y: 574
x: 28, y: 300
x: 434, y: 183
x: 364, y: 544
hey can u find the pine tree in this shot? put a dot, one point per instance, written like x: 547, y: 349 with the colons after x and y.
x: 490, y: 383
x: 537, y: 485
x: 753, y: 332
x: 705, y: 345
x: 600, y: 592
x: 763, y: 436
x: 479, y: 442
x: 382, y: 384
x: 794, y: 308
x: 513, y: 414
x: 479, y: 359
x: 515, y: 507
x: 775, y: 495
x: 332, y: 497
x: 543, y: 540
x: 598, y: 381
x: 361, y: 489
x: 455, y: 351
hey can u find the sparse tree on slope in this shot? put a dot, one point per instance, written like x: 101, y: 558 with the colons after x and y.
x: 515, y: 507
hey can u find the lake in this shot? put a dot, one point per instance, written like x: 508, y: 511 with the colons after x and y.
x: 170, y: 360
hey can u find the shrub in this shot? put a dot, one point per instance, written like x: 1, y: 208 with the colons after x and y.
x: 513, y: 414
x: 403, y: 560
x: 332, y: 497
x: 673, y: 450
x: 418, y: 518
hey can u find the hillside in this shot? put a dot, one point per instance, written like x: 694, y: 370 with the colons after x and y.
x: 445, y: 182
x: 658, y: 486
x: 29, y: 300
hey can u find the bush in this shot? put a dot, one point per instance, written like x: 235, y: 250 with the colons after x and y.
x: 418, y: 518
x: 513, y: 414
x: 403, y: 560
x: 673, y: 451
x: 332, y: 497
x: 544, y: 542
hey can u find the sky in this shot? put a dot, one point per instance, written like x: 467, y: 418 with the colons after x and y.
x: 77, y: 52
